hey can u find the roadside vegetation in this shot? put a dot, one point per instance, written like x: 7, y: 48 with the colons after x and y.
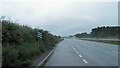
x: 20, y: 43
x: 108, y: 32
x: 104, y: 41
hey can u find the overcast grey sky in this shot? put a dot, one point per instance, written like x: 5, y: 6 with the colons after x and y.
x: 62, y: 17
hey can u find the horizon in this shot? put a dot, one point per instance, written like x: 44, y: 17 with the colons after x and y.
x: 62, y: 18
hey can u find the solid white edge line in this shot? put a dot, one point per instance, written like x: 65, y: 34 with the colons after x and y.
x: 85, y: 61
x: 47, y: 62
x: 45, y: 58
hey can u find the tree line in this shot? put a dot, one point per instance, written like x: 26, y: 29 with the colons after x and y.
x: 20, y: 45
x: 101, y: 32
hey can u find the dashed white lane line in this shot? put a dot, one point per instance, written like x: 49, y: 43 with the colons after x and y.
x: 115, y: 51
x: 85, y: 61
x: 74, y: 48
x: 77, y: 52
x: 80, y: 55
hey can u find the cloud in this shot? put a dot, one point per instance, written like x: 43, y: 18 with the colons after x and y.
x: 62, y: 17
x: 59, y: 1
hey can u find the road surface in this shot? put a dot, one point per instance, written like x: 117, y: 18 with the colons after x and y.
x: 73, y: 52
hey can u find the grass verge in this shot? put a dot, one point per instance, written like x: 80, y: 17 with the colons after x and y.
x: 105, y: 41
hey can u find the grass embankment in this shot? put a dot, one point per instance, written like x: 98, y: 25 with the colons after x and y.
x: 0, y: 49
x: 105, y: 41
x: 20, y: 43
x: 106, y: 34
x: 0, y: 44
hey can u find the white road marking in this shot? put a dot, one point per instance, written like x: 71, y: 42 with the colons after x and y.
x: 77, y: 52
x: 115, y: 51
x: 85, y: 61
x: 80, y: 55
x: 44, y: 59
x: 74, y: 48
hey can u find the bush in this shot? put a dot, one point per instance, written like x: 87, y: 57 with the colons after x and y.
x: 28, y: 50
x: 21, y: 45
x: 10, y: 55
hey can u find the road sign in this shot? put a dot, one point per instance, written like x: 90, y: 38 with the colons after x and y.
x: 39, y: 34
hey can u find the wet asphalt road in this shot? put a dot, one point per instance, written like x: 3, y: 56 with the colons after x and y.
x: 73, y: 52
